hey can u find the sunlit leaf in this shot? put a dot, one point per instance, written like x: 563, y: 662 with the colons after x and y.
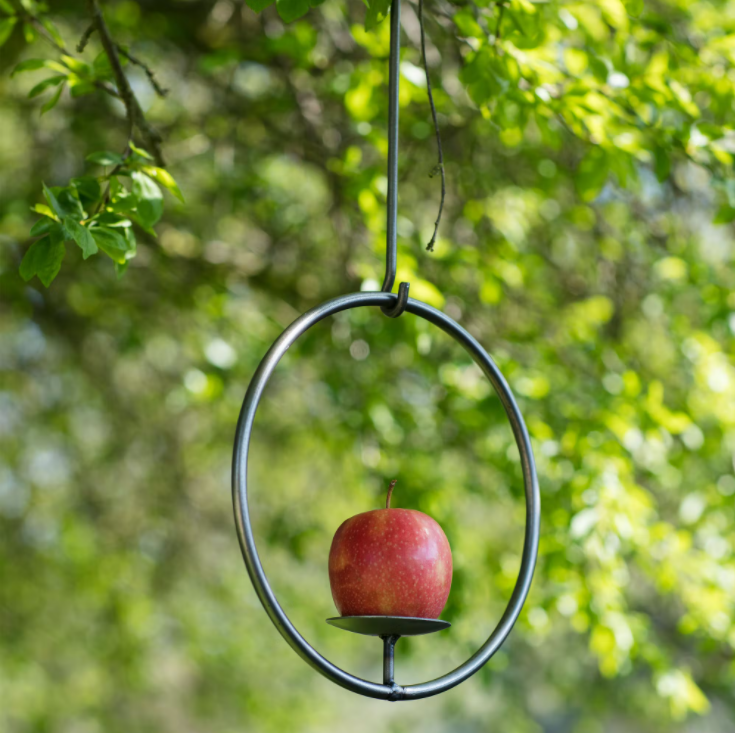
x: 162, y: 176
x: 78, y: 67
x: 149, y: 199
x: 139, y: 151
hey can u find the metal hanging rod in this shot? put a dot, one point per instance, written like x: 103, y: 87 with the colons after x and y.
x: 391, y: 247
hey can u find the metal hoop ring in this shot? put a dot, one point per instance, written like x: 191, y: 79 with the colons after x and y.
x: 245, y: 532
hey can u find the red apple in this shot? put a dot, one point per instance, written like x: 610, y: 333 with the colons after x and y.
x: 390, y: 562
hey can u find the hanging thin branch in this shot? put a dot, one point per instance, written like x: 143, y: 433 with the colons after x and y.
x: 439, y: 168
x: 160, y: 91
x: 84, y: 40
x: 136, y: 118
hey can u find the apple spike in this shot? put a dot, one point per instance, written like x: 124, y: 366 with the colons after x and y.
x: 390, y: 492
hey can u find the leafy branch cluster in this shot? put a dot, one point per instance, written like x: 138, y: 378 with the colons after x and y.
x: 94, y: 211
x: 97, y: 213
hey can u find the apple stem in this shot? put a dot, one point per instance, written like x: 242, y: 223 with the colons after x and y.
x: 390, y: 492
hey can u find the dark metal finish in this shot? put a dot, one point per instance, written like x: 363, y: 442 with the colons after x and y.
x: 389, y: 646
x: 245, y: 531
x: 391, y: 246
x: 401, y: 302
x: 391, y: 257
x: 388, y: 625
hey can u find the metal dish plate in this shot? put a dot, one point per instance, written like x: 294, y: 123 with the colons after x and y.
x: 388, y: 625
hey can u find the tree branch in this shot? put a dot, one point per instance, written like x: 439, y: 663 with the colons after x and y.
x: 136, y: 118
x: 440, y: 166
x: 84, y: 40
x: 160, y: 91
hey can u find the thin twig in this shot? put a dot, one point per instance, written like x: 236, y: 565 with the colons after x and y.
x: 136, y: 118
x: 440, y: 166
x: 84, y: 40
x: 160, y: 91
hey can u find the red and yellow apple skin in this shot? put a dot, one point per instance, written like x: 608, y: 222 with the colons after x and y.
x: 390, y: 562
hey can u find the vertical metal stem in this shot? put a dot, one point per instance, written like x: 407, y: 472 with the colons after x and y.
x: 389, y: 644
x: 393, y: 82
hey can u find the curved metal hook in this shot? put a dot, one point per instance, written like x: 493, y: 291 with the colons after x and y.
x: 401, y: 302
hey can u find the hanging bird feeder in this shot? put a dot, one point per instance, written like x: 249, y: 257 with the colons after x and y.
x: 388, y: 628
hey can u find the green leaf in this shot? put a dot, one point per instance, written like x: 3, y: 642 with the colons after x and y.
x: 29, y: 65
x: 259, y: 5
x: 88, y: 189
x: 44, y: 258
x: 42, y: 226
x: 150, y: 199
x: 79, y: 86
x: 377, y: 12
x: 45, y: 211
x: 165, y: 179
x: 69, y: 200
x: 111, y: 242
x: 101, y: 66
x: 44, y: 85
x: 121, y: 267
x: 290, y: 10
x: 132, y: 242
x: 6, y: 7
x: 6, y: 28
x: 592, y: 173
x: 77, y: 66
x: 53, y: 101
x: 105, y: 157
x: 143, y: 153
x: 63, y: 202
x: 123, y: 203
x: 110, y: 219
x: 52, y: 31
x: 53, y: 202
x: 82, y: 236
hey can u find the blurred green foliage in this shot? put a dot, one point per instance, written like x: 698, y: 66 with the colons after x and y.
x: 586, y: 243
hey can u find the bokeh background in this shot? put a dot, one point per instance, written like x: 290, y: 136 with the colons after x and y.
x: 124, y: 603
